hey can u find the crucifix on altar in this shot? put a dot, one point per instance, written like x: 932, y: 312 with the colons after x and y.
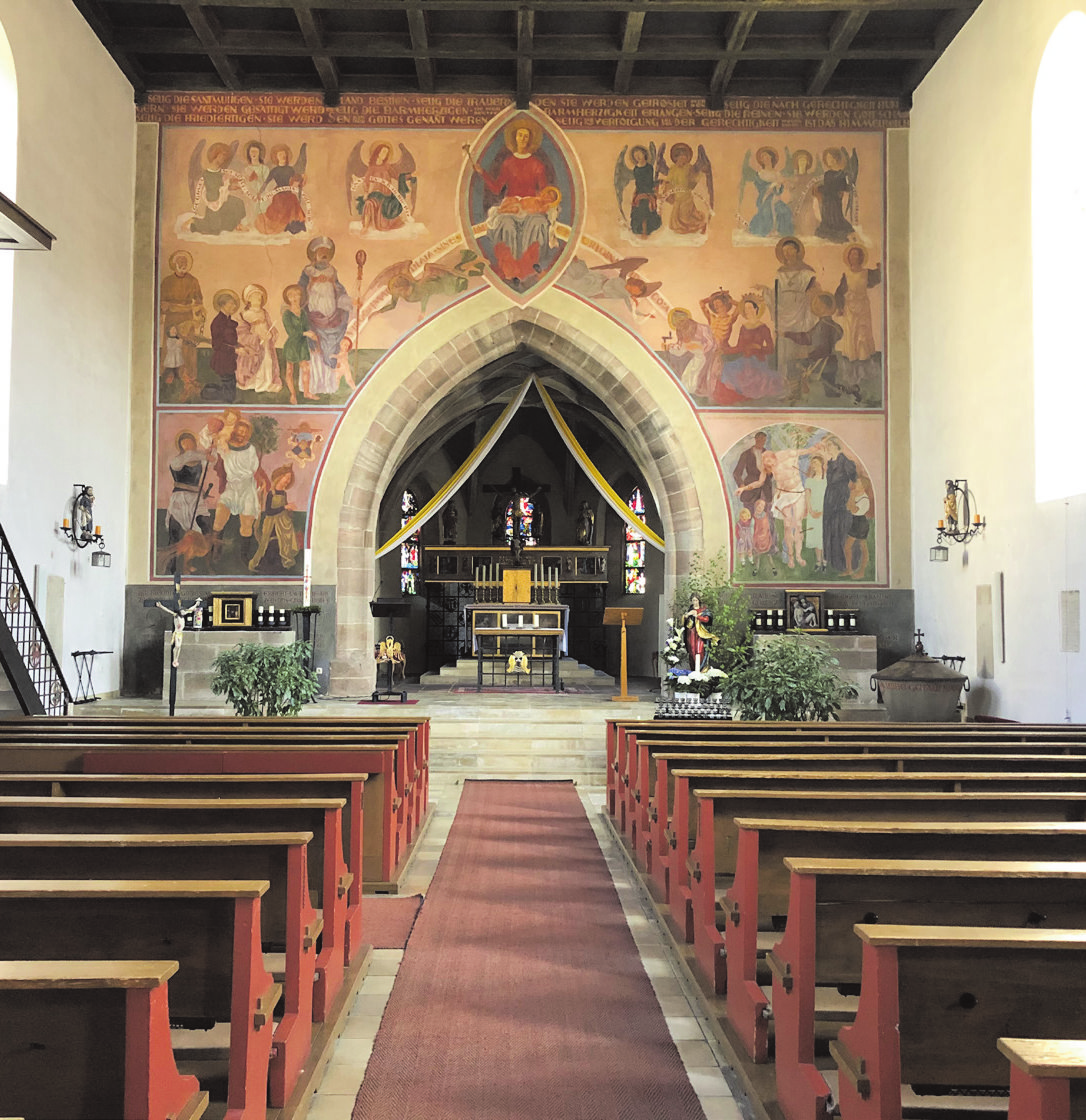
x: 181, y: 615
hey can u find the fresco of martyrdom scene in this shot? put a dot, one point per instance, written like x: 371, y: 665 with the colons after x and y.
x: 232, y: 490
x: 802, y: 506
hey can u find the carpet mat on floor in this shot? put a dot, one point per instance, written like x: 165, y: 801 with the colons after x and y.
x: 496, y: 690
x: 387, y: 920
x: 521, y: 995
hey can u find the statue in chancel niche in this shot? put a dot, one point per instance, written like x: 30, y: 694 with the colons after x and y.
x: 586, y: 525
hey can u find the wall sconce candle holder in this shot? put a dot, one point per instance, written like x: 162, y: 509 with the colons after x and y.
x: 80, y: 528
x: 959, y: 524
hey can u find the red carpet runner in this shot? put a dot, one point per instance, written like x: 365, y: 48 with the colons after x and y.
x: 521, y: 995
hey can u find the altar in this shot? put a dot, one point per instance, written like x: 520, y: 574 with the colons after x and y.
x: 518, y: 644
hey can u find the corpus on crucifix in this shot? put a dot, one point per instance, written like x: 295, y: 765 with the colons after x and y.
x: 181, y: 614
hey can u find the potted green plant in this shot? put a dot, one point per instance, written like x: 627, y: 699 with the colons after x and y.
x: 791, y: 677
x: 265, y: 680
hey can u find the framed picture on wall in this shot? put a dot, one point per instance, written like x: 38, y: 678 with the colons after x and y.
x: 232, y: 611
x: 804, y: 610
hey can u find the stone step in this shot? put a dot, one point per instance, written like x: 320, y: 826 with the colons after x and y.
x: 466, y: 672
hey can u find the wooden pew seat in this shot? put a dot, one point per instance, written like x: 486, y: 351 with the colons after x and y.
x: 212, y: 928
x: 1048, y: 1078
x: 290, y: 924
x: 934, y: 1001
x: 830, y: 896
x: 83, y: 1040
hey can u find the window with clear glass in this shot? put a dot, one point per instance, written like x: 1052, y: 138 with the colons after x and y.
x: 635, y: 548
x: 409, y: 550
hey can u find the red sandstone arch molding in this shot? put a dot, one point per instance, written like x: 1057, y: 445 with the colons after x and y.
x: 663, y: 436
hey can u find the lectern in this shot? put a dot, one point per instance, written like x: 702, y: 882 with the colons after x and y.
x: 623, y: 616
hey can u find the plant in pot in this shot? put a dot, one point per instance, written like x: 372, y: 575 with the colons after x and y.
x: 265, y: 680
x: 791, y: 677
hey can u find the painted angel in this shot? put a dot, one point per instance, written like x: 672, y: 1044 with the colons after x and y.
x: 644, y: 218
x: 686, y: 185
x: 435, y: 281
x: 837, y: 194
x: 284, y: 203
x: 383, y: 193
x: 217, y: 190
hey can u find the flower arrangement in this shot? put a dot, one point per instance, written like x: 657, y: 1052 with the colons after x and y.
x: 703, y: 683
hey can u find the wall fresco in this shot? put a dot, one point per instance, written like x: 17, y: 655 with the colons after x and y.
x: 297, y: 246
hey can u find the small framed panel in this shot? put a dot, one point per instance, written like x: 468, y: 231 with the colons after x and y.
x: 804, y: 610
x: 234, y: 611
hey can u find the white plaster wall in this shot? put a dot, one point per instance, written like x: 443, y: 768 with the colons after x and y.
x: 71, y: 331
x: 972, y: 379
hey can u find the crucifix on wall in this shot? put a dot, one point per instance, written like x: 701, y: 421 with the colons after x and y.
x: 518, y: 492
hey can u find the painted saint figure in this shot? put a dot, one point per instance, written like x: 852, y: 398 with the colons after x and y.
x: 791, y: 303
x: 854, y: 307
x: 522, y: 220
x: 837, y: 194
x: 258, y: 359
x: 328, y: 307
x: 282, y: 195
x: 216, y: 189
x: 224, y: 346
x: 687, y: 185
x: 180, y: 308
x: 277, y: 519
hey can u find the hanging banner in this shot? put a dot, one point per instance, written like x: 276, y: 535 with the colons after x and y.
x: 464, y: 472
x: 460, y: 476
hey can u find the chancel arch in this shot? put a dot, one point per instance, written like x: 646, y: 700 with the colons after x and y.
x: 405, y: 398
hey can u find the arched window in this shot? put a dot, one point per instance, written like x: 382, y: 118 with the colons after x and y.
x: 635, y: 548
x: 520, y: 515
x: 9, y: 143
x: 409, y: 550
x: 1059, y: 247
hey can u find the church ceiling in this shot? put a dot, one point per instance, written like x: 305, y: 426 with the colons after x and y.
x: 711, y: 49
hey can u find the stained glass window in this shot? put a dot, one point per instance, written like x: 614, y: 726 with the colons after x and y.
x: 409, y: 549
x: 635, y: 548
x: 520, y: 511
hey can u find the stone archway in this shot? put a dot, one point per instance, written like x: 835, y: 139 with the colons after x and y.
x: 662, y: 435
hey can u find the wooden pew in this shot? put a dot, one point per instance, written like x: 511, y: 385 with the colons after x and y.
x: 632, y: 770
x: 90, y: 1039
x: 934, y: 1000
x: 18, y: 738
x: 348, y: 786
x: 636, y: 772
x: 713, y: 861
x: 679, y: 893
x: 830, y: 896
x: 287, y: 915
x: 386, y: 822
x: 1048, y: 1078
x: 654, y: 811
x: 752, y: 912
x: 623, y: 734
x: 320, y: 816
x: 397, y: 796
x: 212, y: 928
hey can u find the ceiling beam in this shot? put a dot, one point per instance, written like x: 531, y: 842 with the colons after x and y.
x: 631, y: 42
x: 845, y: 29
x: 725, y: 68
x: 322, y: 60
x: 207, y: 29
x: 420, y: 47
x: 525, y: 36
x: 670, y: 6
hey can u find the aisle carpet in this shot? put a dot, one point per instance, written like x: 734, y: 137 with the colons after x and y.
x: 387, y: 920
x: 521, y: 995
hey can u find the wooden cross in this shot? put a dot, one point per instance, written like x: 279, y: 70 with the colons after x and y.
x: 180, y: 614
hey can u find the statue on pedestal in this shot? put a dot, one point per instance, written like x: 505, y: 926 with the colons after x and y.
x: 586, y: 525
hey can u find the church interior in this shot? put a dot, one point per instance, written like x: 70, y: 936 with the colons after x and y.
x: 459, y: 339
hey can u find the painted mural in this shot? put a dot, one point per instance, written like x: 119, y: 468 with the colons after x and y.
x: 803, y: 506
x: 292, y: 257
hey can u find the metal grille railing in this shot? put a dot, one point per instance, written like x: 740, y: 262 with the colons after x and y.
x: 25, y: 640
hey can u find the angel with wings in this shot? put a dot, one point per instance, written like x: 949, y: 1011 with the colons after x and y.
x: 383, y: 193
x: 216, y: 189
x: 687, y: 185
x: 644, y: 218
x: 285, y: 211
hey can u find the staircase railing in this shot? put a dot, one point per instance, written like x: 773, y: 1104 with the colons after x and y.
x: 28, y: 658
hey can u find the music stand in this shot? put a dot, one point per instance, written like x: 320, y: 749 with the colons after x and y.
x: 623, y: 616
